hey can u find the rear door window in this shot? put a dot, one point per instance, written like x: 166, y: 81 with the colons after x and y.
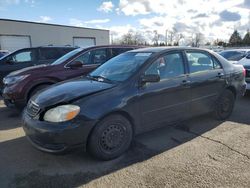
x: 200, y: 61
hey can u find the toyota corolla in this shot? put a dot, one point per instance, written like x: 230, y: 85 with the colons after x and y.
x: 132, y: 93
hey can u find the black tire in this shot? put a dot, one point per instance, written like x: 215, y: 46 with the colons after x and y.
x: 110, y: 138
x: 224, y: 105
x: 37, y: 89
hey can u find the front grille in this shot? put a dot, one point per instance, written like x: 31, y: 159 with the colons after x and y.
x: 32, y: 109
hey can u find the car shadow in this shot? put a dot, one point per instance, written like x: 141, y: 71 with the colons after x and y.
x: 9, y: 118
x: 241, y: 113
x: 24, y: 166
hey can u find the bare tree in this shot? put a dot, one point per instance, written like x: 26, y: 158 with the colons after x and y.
x: 127, y: 38
x: 132, y: 38
x: 156, y: 38
x: 197, y: 39
x: 139, y: 38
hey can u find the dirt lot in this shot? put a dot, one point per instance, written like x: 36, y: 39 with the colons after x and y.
x: 200, y: 153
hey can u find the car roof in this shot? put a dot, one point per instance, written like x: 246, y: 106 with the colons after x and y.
x: 88, y: 48
x: 56, y: 47
x: 169, y: 48
x: 236, y: 50
x: 51, y: 47
x: 113, y: 46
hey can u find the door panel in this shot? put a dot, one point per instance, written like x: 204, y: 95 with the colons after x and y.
x: 166, y: 101
x: 169, y: 99
x: 207, y: 81
x: 205, y: 89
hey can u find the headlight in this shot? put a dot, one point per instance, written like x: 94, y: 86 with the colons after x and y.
x: 14, y: 79
x: 62, y: 113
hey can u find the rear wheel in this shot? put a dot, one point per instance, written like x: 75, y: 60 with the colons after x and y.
x: 224, y: 106
x: 110, y: 138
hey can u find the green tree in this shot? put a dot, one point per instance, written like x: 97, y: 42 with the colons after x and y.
x: 246, y: 39
x: 235, y: 39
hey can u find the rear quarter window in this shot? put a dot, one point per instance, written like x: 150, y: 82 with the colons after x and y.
x: 50, y: 53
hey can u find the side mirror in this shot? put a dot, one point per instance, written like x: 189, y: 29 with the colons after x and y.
x: 75, y: 64
x: 248, y: 56
x: 150, y: 78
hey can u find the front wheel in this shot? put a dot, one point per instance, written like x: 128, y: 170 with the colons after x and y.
x: 224, y: 106
x: 110, y: 138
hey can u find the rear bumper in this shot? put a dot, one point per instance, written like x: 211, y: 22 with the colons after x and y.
x: 242, y: 89
x: 248, y: 86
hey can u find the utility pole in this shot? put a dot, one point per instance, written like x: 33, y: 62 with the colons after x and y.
x: 166, y: 37
x: 111, y: 35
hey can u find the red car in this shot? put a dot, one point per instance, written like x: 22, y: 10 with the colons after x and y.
x: 20, y: 85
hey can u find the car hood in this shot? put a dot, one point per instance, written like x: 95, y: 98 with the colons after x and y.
x: 28, y: 70
x: 68, y: 91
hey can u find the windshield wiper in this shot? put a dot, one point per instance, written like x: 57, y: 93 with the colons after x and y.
x: 99, y: 78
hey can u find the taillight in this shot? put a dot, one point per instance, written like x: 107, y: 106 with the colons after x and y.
x: 244, y: 72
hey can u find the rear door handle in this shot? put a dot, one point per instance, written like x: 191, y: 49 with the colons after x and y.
x: 186, y: 83
x: 220, y: 74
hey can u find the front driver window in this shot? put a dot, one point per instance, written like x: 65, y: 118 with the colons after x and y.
x: 93, y: 57
x: 168, y: 66
x: 24, y: 56
x: 84, y: 59
x: 99, y: 56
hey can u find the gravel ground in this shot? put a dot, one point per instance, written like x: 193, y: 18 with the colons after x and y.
x: 199, y: 153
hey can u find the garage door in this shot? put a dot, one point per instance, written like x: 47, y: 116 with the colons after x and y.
x: 13, y: 43
x: 83, y: 42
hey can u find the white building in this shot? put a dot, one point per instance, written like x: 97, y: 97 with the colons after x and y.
x: 15, y: 34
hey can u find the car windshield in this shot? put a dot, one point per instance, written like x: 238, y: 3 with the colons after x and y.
x: 233, y: 55
x: 66, y: 56
x: 121, y: 67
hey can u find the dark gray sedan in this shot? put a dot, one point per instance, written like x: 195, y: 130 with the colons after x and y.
x: 132, y: 93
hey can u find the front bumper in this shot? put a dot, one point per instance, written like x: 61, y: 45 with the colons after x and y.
x: 12, y: 98
x: 56, y: 137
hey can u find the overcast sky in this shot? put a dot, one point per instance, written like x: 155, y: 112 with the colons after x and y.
x: 216, y: 19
